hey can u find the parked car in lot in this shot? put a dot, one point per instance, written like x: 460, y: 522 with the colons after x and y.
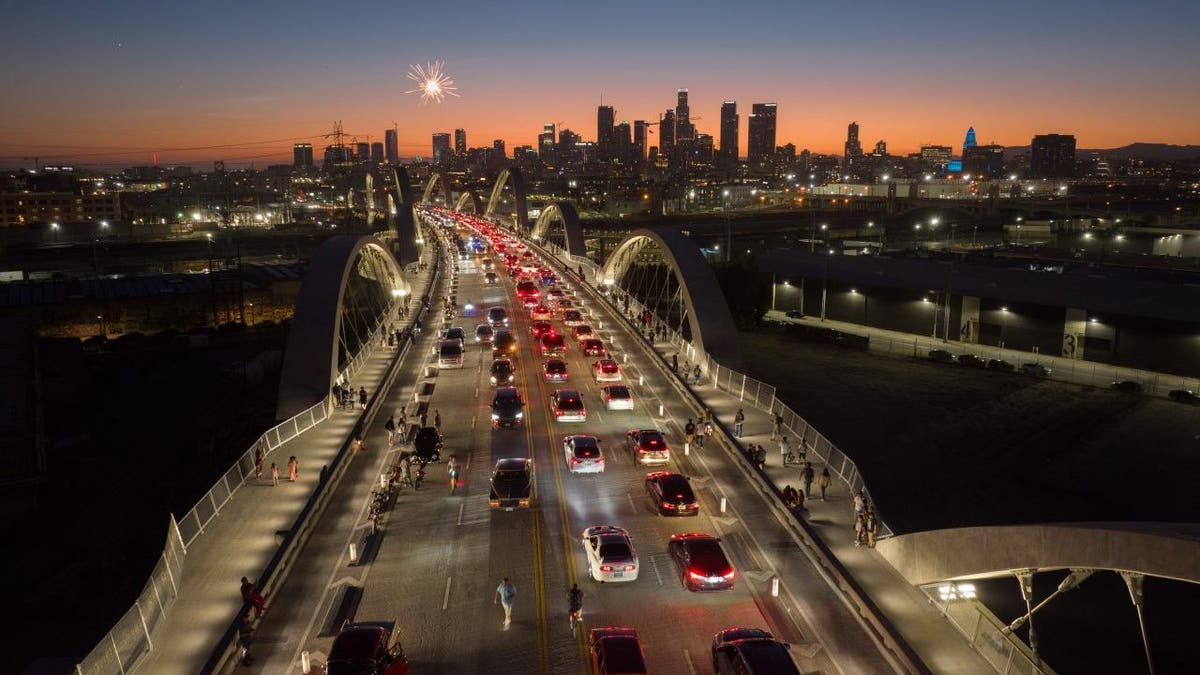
x: 942, y: 356
x: 1035, y: 369
x: 1184, y: 396
x: 1126, y: 386
x: 1000, y: 365
x: 972, y: 361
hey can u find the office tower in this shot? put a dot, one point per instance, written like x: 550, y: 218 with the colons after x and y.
x: 362, y: 152
x: 684, y: 131
x: 936, y: 157
x: 622, y: 143
x: 460, y: 142
x: 302, y: 155
x: 880, y: 149
x: 441, y: 148
x: 377, y: 152
x: 729, y: 134
x: 498, y: 148
x: 568, y: 151
x: 666, y: 134
x: 853, y: 148
x: 969, y: 141
x: 546, y: 144
x: 391, y: 147
x: 761, y: 133
x: 983, y: 161
x: 639, y: 141
x: 337, y: 155
x: 604, y: 132
x: 702, y: 149
x: 1052, y: 156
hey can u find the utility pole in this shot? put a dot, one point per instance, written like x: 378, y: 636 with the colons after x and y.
x: 241, y: 285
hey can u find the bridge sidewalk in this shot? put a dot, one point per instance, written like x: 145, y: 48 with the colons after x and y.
x: 241, y: 540
x: 939, y: 645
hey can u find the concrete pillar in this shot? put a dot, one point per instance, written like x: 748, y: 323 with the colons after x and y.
x: 1074, y: 328
x: 968, y: 328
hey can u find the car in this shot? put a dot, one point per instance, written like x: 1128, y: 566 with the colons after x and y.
x: 617, y: 397
x: 556, y: 294
x: 583, y: 454
x: 490, y: 278
x: 610, y: 554
x: 972, y: 361
x: 616, y: 651
x: 507, y: 408
x: 502, y: 372
x: 449, y: 353
x: 671, y: 494
x: 1001, y: 365
x: 1126, y: 386
x: 503, y: 344
x: 592, y: 347
x: 648, y: 446
x: 1035, y: 369
x: 552, y: 344
x: 1184, y: 396
x: 582, y: 332
x: 942, y: 356
x: 701, y: 562
x: 367, y: 647
x: 497, y: 316
x: 456, y: 333
x: 606, y: 370
x: 572, y: 317
x: 484, y: 333
x: 539, y: 328
x: 566, y: 305
x: 512, y: 484
x: 527, y: 290
x: 427, y: 444
x: 736, y: 651
x: 554, y: 370
x: 567, y: 406
x: 540, y: 312
x: 487, y: 264
x: 794, y: 314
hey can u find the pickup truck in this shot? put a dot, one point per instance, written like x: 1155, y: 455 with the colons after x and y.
x: 367, y: 648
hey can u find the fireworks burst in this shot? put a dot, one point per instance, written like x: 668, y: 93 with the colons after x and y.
x: 432, y: 82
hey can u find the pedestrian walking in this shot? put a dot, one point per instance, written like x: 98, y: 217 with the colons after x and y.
x: 760, y: 458
x: 870, y: 523
x: 390, y: 427
x: 259, y: 456
x: 506, y: 594
x: 824, y: 481
x: 860, y: 501
x: 675, y: 363
x: 696, y: 374
x: 324, y: 473
x: 424, y: 419
x: 253, y: 598
x: 293, y: 469
x: 860, y: 528
x: 437, y: 419
x: 785, y: 449
x: 362, y: 397
x: 809, y: 474
x: 739, y: 422
x: 700, y: 433
x: 689, y: 432
x: 452, y: 470
x: 776, y: 426
x: 274, y: 474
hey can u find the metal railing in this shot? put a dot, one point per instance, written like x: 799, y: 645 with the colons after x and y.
x: 985, y: 633
x: 131, y: 638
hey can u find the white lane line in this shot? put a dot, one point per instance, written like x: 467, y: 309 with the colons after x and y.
x: 473, y: 419
x: 446, y: 597
x: 688, y: 657
x: 631, y: 504
x: 460, y: 511
x: 654, y: 566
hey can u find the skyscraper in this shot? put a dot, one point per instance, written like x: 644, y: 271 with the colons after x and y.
x: 363, y: 152
x: 547, y: 140
x: 684, y: 131
x: 377, y: 152
x: 604, y: 132
x: 969, y: 141
x: 983, y: 161
x: 1052, y: 156
x: 729, y: 133
x: 391, y: 146
x: 460, y: 142
x: 666, y: 134
x: 761, y: 133
x: 853, y: 148
x: 936, y: 157
x: 639, y: 141
x: 498, y: 148
x: 441, y: 148
x: 302, y: 155
x: 622, y: 143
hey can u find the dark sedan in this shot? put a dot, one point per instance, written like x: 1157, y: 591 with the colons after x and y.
x: 512, y: 484
x: 671, y: 494
x: 701, y: 562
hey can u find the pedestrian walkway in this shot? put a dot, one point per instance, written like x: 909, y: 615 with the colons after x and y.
x: 242, y: 539
x: 936, y: 642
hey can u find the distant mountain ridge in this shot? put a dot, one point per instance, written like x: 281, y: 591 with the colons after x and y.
x: 1151, y: 151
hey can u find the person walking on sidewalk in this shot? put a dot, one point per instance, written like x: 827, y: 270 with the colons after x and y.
x: 424, y: 419
x: 675, y: 363
x: 809, y: 474
x: 785, y: 449
x: 274, y: 474
x: 739, y: 422
x: 390, y: 427
x: 824, y: 481
x: 860, y: 528
x: 760, y: 458
x: 293, y: 469
x: 506, y: 595
x: 860, y: 501
x: 362, y: 397
x: 689, y: 432
x: 776, y: 426
x: 437, y: 419
x: 696, y: 375
x: 870, y: 523
x: 259, y: 456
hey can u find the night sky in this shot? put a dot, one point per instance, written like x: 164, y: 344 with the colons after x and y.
x: 112, y: 81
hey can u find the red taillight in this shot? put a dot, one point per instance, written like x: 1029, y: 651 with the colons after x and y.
x: 630, y: 568
x: 574, y: 460
x: 668, y: 505
x: 606, y: 568
x: 696, y: 575
x: 694, y: 505
x: 557, y: 412
x: 729, y: 575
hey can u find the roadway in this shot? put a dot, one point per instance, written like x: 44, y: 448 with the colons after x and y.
x: 442, y: 555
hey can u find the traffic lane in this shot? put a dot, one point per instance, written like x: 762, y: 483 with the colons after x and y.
x: 819, y: 610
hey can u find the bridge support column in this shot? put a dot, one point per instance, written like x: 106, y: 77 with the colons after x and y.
x: 1025, y: 578
x: 1074, y: 329
x: 1133, y: 581
x: 968, y: 329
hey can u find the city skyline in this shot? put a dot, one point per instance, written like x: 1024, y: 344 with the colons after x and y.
x: 122, y: 83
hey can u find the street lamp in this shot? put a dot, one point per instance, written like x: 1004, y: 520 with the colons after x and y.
x: 1003, y: 323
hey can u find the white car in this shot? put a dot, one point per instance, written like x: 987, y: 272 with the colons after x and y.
x: 610, y: 554
x: 606, y: 370
x: 617, y: 397
x: 583, y: 454
x: 573, y: 317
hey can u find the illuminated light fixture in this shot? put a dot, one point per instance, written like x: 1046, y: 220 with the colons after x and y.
x: 949, y: 592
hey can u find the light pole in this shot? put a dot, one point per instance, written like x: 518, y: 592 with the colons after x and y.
x: 825, y: 283
x: 917, y: 234
x: 212, y: 288
x: 1003, y: 323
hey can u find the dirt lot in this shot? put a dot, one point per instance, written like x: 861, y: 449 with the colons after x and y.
x: 944, y: 446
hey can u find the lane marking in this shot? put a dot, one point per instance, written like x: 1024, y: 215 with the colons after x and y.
x: 631, y: 504
x: 654, y: 565
x: 688, y: 657
x: 446, y: 597
x: 461, y: 506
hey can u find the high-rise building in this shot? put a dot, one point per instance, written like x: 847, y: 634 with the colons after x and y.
x: 391, y: 147
x: 1052, y: 156
x: 622, y: 143
x: 684, y: 131
x: 983, y: 161
x: 969, y: 141
x: 666, y: 134
x: 460, y: 142
x: 547, y: 142
x: 880, y: 149
x: 441, y: 148
x: 760, y: 141
x: 498, y: 148
x: 639, y: 141
x: 936, y: 157
x: 729, y: 133
x: 604, y: 132
x: 377, y: 152
x: 362, y: 152
x: 337, y: 156
x: 853, y: 148
x: 302, y: 155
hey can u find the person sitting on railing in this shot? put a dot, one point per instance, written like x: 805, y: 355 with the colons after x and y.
x: 790, y: 496
x: 253, y: 598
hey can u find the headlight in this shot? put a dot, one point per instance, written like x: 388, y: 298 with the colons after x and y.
x: 495, y: 416
x: 493, y: 379
x: 520, y: 415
